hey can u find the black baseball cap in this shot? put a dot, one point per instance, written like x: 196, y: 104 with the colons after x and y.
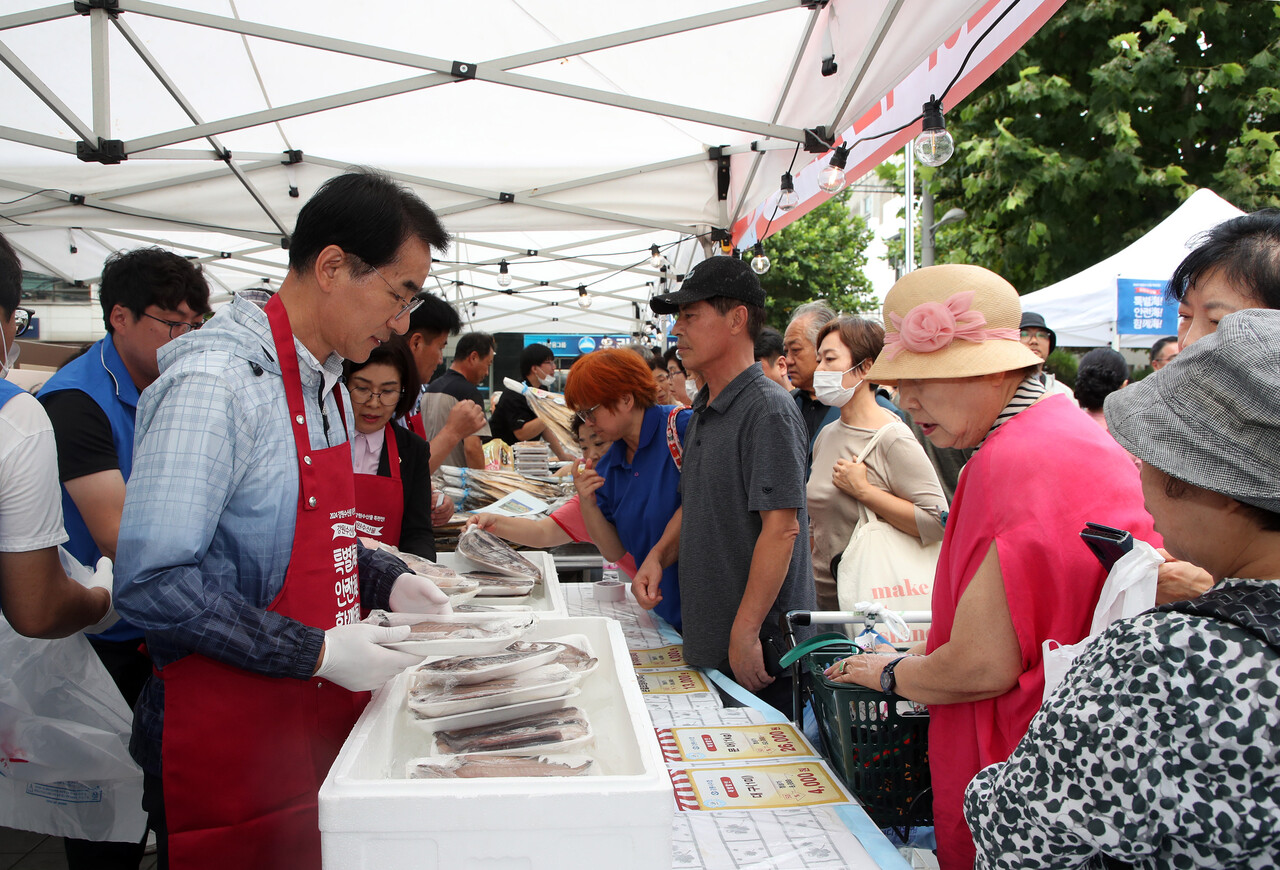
x: 716, y: 276
x: 1032, y: 320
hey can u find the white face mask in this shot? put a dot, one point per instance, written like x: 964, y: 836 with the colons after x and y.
x: 829, y: 389
x: 11, y: 354
x: 548, y: 381
x: 691, y: 389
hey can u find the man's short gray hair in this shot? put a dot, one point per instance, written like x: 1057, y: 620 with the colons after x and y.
x: 819, y: 314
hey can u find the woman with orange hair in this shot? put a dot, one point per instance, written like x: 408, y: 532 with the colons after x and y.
x: 629, y: 496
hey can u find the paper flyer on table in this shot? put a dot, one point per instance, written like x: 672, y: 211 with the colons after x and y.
x: 809, y: 838
x: 516, y: 504
x: 662, y: 658
x: 682, y: 682
x: 712, y: 743
x: 758, y: 787
x: 669, y: 717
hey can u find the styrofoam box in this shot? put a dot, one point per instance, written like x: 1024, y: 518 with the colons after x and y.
x: 372, y: 817
x: 546, y: 598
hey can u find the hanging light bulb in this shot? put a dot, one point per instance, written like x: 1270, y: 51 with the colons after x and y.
x: 655, y: 256
x: 759, y: 263
x: 831, y: 179
x: 726, y: 247
x: 504, y: 276
x: 584, y: 299
x: 935, y: 145
x: 787, y: 198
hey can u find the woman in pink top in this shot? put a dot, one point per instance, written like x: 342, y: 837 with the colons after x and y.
x: 565, y: 524
x: 1013, y: 571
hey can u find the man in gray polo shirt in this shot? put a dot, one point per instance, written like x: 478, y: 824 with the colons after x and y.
x: 743, y: 533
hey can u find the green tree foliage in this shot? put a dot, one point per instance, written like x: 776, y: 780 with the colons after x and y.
x: 1108, y: 118
x: 820, y: 256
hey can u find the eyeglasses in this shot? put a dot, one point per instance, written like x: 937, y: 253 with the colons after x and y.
x: 176, y: 327
x: 588, y: 416
x: 1035, y: 333
x: 415, y: 301
x: 360, y: 395
x: 22, y: 319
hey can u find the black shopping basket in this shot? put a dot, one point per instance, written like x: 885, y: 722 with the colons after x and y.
x: 877, y: 744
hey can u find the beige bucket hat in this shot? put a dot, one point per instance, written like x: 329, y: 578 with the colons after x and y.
x: 950, y: 321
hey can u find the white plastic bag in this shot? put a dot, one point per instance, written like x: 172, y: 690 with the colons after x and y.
x: 1130, y: 589
x: 65, y: 767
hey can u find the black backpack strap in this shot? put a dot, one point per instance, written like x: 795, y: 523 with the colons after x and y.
x: 1254, y: 608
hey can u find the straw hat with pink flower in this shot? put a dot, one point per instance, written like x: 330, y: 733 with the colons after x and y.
x: 950, y: 321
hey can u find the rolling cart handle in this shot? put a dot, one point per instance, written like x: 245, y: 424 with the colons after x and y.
x: 792, y: 618
x: 842, y: 617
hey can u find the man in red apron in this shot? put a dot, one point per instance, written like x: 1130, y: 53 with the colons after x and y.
x: 238, y: 548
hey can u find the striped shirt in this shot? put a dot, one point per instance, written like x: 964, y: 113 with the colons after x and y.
x: 1028, y: 393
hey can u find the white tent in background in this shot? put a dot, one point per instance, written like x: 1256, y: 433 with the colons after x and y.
x: 1083, y: 310
x: 562, y: 136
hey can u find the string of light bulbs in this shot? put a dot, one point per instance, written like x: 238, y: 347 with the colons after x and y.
x: 933, y: 147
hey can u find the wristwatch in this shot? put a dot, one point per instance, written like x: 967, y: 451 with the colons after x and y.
x: 888, y: 682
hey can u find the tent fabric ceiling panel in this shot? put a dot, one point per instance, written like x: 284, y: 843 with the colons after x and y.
x: 596, y: 118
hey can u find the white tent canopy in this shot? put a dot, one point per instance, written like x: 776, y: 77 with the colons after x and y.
x: 565, y: 137
x: 1082, y: 309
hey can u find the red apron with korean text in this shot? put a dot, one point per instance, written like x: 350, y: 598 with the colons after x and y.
x: 380, y: 500
x: 243, y: 754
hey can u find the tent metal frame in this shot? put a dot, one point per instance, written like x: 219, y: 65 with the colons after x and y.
x: 199, y: 142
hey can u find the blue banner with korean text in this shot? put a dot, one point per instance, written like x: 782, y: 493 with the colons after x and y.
x: 1141, y: 308
x: 576, y: 345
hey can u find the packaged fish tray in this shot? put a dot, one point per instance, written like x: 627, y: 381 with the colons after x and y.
x: 499, y: 766
x: 553, y: 731
x: 492, y: 553
x: 489, y: 585
x: 548, y: 681
x: 491, y: 716
x: 574, y: 652
x: 467, y: 670
x: 455, y: 634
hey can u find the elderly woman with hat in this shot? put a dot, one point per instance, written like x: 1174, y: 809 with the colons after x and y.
x: 1161, y: 748
x: 1012, y: 572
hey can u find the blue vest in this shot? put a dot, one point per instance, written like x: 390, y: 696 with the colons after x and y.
x: 8, y: 389
x: 100, y: 374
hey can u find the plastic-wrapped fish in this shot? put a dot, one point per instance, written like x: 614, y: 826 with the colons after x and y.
x: 515, y: 653
x: 497, y: 586
x: 438, y: 694
x: 458, y: 630
x: 573, y: 658
x: 488, y: 549
x: 481, y: 766
x: 542, y: 729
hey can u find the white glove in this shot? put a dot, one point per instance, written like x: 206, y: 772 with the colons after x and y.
x: 354, y: 659
x: 412, y: 593
x: 98, y: 579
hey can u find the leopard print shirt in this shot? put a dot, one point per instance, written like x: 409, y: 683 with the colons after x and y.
x: 1161, y: 748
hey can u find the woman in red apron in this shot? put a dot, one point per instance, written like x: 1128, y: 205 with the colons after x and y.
x: 393, y: 478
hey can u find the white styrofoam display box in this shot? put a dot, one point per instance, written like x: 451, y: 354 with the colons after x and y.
x: 618, y: 816
x: 546, y: 598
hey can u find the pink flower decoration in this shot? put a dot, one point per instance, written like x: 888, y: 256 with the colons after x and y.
x: 932, y: 326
